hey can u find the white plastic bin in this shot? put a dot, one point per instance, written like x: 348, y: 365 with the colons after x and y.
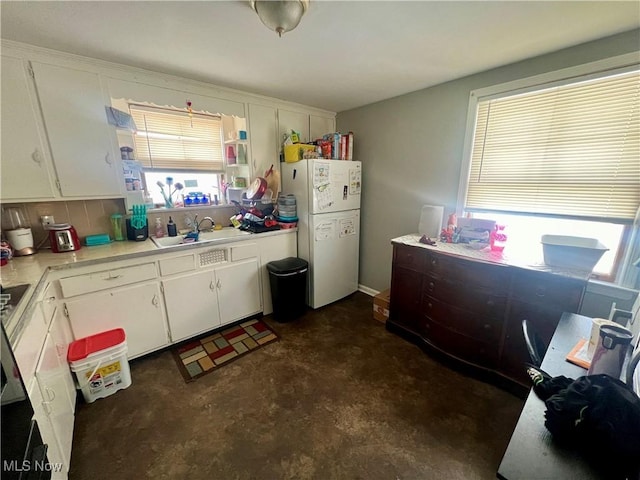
x: 100, y: 364
x: 580, y: 253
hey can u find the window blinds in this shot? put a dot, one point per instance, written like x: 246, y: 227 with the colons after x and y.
x: 173, y: 140
x: 572, y: 150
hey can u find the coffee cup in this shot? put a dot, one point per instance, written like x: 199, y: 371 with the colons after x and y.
x: 595, y: 334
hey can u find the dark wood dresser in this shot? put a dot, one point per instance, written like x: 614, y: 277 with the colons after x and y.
x: 468, y: 305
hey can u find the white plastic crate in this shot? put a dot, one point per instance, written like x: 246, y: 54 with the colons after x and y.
x: 578, y: 253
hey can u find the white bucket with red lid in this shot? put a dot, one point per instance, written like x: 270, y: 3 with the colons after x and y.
x: 100, y: 364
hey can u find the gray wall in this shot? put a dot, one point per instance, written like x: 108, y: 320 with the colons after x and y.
x: 411, y: 148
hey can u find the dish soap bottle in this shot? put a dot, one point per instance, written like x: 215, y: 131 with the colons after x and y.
x: 171, y: 228
x: 159, y: 228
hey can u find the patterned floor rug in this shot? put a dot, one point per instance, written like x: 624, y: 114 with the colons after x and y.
x: 203, y: 355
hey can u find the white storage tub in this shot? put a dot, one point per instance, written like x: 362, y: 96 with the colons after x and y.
x: 100, y: 364
x: 578, y: 253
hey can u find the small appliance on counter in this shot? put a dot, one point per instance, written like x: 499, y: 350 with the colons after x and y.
x: 17, y: 231
x: 63, y: 238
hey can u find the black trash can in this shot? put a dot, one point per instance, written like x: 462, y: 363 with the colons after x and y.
x: 288, y: 280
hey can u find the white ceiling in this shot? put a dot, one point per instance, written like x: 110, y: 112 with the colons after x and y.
x: 344, y: 54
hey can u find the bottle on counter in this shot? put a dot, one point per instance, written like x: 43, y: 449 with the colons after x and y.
x: 498, y: 238
x: 116, y: 227
x: 172, y: 230
x: 159, y: 228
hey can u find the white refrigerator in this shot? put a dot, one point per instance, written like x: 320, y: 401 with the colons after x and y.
x: 328, y: 204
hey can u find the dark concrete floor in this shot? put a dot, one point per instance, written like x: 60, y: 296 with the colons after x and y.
x: 338, y: 397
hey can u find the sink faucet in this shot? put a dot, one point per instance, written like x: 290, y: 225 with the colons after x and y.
x: 195, y: 224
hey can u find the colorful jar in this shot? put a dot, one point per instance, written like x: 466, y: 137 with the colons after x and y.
x: 498, y: 238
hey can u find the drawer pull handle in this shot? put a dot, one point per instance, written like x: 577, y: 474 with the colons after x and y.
x: 429, y: 306
x: 487, y: 326
x: 431, y: 286
x: 434, y: 262
x: 51, y: 395
x: 36, y: 157
x: 540, y: 292
x: 110, y: 277
x: 490, y: 303
x: 107, y: 158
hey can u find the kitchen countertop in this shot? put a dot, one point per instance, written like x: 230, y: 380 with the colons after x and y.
x: 33, y: 269
x: 486, y: 255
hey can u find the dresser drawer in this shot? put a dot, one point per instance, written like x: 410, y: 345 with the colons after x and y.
x: 490, y: 302
x: 463, y: 321
x: 551, y: 291
x: 465, y: 348
x: 469, y: 272
x: 412, y: 258
x: 97, y: 281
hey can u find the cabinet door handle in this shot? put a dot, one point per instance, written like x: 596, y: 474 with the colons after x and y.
x: 61, y: 350
x: 218, y: 284
x: 47, y: 408
x: 212, y: 286
x: 107, y: 158
x: 154, y: 300
x: 36, y: 157
x: 51, y: 394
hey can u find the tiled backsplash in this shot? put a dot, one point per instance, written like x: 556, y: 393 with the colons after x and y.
x: 91, y: 217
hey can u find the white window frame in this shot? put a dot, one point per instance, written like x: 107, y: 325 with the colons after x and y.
x: 564, y: 76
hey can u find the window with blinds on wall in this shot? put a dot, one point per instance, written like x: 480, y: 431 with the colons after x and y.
x: 561, y: 158
x: 571, y: 150
x: 176, y: 140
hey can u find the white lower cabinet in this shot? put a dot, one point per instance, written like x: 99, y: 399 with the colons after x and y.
x: 192, y: 304
x: 41, y: 413
x: 201, y: 301
x: 135, y: 308
x: 238, y: 290
x: 56, y: 394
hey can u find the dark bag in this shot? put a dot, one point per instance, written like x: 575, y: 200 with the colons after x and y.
x: 597, y: 414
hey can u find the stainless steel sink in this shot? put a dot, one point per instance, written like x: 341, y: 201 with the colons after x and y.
x: 204, y: 237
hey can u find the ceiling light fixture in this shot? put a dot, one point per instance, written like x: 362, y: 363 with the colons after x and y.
x: 280, y: 15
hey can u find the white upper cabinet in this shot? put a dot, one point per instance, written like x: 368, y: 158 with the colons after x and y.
x: 81, y: 140
x: 25, y: 160
x: 263, y: 126
x: 297, y: 121
x: 310, y: 126
x: 318, y: 126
